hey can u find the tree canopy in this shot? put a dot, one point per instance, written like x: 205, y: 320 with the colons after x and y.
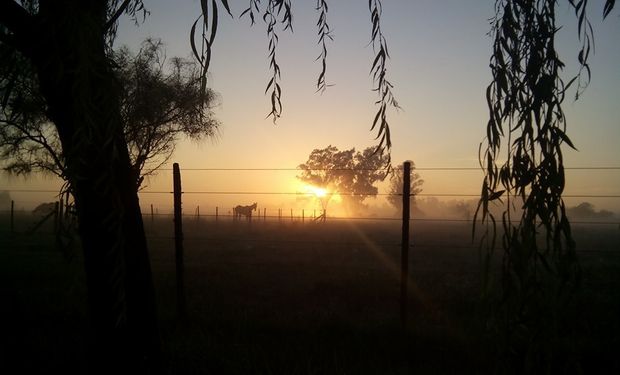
x: 349, y: 173
x: 161, y: 100
x: 395, y: 189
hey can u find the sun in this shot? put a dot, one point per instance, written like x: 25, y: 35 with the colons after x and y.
x: 316, y: 191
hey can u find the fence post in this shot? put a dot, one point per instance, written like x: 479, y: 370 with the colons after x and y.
x: 152, y: 214
x: 12, y: 216
x: 291, y: 214
x: 404, y: 261
x: 178, y: 239
x: 198, y: 213
x: 303, y: 215
x: 60, y: 210
x: 216, y: 209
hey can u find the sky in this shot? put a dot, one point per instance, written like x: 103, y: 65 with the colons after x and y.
x: 439, y: 67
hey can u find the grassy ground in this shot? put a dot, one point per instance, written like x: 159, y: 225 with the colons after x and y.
x: 293, y: 298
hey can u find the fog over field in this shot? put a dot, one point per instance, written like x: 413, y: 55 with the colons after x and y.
x: 270, y: 293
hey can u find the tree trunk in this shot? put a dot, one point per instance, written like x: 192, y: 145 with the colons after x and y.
x: 82, y: 98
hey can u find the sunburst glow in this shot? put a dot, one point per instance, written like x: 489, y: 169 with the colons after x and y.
x: 316, y: 191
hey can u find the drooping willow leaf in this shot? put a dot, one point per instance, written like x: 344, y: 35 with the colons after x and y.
x: 522, y: 158
x: 280, y: 12
x: 324, y: 33
x: 383, y: 86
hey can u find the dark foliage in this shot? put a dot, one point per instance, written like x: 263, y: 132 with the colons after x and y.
x: 348, y: 173
x: 159, y: 104
x: 522, y: 159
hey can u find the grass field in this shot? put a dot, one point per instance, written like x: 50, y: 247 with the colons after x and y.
x: 297, y: 298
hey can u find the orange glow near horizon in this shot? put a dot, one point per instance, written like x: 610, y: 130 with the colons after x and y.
x: 316, y: 191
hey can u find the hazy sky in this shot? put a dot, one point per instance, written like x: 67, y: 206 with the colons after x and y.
x: 439, y: 66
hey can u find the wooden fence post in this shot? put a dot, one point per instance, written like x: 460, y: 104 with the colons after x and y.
x: 152, y: 214
x: 291, y: 214
x: 178, y: 239
x: 216, y: 209
x: 404, y: 261
x: 303, y: 215
x: 60, y: 210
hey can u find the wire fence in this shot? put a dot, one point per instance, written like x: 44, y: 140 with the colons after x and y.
x: 272, y: 214
x: 448, y: 235
x: 158, y: 195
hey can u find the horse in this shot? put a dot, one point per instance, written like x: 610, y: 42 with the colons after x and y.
x: 244, y: 210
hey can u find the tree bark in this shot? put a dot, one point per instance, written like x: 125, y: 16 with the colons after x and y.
x: 82, y: 97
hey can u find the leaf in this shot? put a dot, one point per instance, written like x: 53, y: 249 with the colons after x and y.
x: 193, y: 43
x: 374, y: 123
x: 609, y: 5
x: 225, y: 4
x: 269, y: 84
x: 204, y: 6
x: 564, y: 137
x: 375, y: 67
x: 495, y: 195
x: 213, y: 24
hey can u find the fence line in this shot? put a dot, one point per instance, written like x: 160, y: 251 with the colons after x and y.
x: 372, y: 169
x: 613, y: 196
x: 332, y: 218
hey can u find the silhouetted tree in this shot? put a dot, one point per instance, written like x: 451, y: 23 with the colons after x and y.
x: 66, y: 45
x: 585, y: 210
x: 395, y: 189
x: 157, y: 107
x: 464, y: 209
x: 522, y: 158
x: 349, y: 173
